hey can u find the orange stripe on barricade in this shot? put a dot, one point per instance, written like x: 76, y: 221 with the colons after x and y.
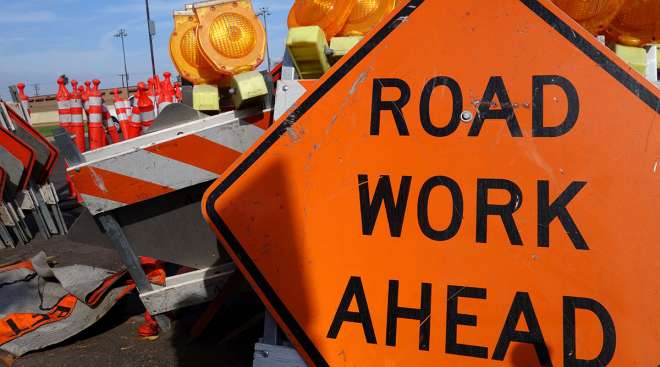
x: 116, y: 187
x: 198, y: 152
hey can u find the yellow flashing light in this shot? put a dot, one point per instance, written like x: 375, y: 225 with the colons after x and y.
x: 185, y: 52
x: 365, y: 15
x: 231, y: 37
x: 330, y: 15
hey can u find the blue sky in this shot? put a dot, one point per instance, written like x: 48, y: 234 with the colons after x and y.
x: 41, y: 39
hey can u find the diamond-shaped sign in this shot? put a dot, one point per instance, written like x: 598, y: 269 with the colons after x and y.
x: 476, y: 184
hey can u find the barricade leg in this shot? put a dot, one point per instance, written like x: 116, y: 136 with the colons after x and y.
x: 5, y: 237
x: 25, y: 201
x: 116, y: 234
x: 42, y: 209
x: 49, y: 193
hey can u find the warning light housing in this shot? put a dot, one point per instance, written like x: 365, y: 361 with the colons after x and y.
x: 637, y: 24
x: 594, y: 15
x: 330, y: 15
x: 365, y: 15
x: 231, y: 37
x: 185, y: 52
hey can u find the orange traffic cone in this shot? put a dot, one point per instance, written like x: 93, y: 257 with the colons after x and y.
x: 96, y: 132
x: 120, y: 108
x: 178, y: 94
x: 165, y: 97
x: 147, y: 113
x: 63, y: 105
x: 135, y: 123
x: 76, y: 108
x: 25, y: 101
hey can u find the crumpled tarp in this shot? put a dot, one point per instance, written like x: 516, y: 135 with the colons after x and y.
x: 41, y: 306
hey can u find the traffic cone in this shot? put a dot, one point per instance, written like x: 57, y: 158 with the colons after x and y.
x: 76, y: 109
x: 110, y: 126
x: 146, y: 105
x: 167, y: 82
x: 96, y: 132
x: 178, y: 94
x: 134, y: 123
x: 120, y: 107
x: 150, y: 86
x: 85, y: 96
x: 152, y: 92
x: 166, y: 92
x: 63, y: 105
x: 25, y: 102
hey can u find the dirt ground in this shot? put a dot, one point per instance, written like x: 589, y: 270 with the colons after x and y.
x: 228, y: 341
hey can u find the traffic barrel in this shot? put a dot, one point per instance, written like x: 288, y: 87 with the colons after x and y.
x: 63, y: 105
x: 134, y: 123
x: 95, y: 116
x: 120, y: 107
x: 85, y: 96
x: 152, y: 90
x: 177, y: 92
x: 76, y: 109
x: 110, y: 126
x: 74, y: 85
x: 25, y: 101
x: 146, y: 105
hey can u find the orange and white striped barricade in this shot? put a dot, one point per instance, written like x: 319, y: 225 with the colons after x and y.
x: 39, y: 196
x: 25, y: 102
x: 63, y: 105
x: 155, y: 181
x: 95, y: 118
x: 17, y: 160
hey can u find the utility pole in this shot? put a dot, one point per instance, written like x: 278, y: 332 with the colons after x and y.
x: 122, y: 82
x: 265, y: 12
x: 36, y: 88
x: 151, y: 27
x: 121, y: 34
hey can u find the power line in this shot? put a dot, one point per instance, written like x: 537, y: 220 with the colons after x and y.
x: 36, y: 87
x: 151, y: 27
x: 121, y: 34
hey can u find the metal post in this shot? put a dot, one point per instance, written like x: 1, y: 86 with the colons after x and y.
x: 151, y: 42
x: 265, y: 12
x: 121, y: 34
x: 116, y: 234
x: 36, y: 88
x: 123, y: 86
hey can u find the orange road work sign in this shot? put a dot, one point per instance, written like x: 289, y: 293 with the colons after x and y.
x: 476, y: 184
